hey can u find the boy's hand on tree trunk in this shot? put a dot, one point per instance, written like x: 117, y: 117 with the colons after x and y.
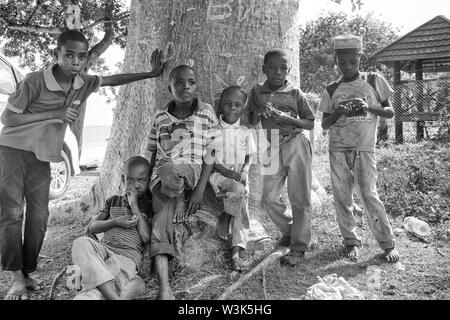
x: 158, y: 61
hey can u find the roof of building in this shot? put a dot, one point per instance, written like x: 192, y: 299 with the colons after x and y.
x: 429, y: 42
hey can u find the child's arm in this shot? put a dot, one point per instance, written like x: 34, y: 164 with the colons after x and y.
x: 227, y: 173
x: 101, y: 223
x: 385, y: 110
x: 304, y: 118
x: 197, y: 194
x: 284, y: 118
x: 124, y: 78
x: 328, y: 119
x: 246, y: 168
x: 142, y: 225
x: 13, y: 119
x: 254, y: 117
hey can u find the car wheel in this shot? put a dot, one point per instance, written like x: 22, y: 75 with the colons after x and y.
x: 61, y: 174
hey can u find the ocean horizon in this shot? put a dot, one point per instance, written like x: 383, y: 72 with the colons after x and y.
x: 95, y: 141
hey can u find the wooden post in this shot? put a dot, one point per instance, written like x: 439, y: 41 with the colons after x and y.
x: 420, y: 124
x: 398, y: 103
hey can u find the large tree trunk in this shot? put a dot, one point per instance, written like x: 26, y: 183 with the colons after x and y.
x: 224, y: 41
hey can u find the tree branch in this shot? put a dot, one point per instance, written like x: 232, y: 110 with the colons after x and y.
x: 92, y: 25
x: 108, y: 38
x: 38, y: 3
x: 30, y: 28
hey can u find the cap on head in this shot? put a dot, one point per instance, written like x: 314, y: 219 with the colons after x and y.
x: 348, y: 43
x: 70, y: 35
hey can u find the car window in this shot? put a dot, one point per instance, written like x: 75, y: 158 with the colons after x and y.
x: 7, y: 83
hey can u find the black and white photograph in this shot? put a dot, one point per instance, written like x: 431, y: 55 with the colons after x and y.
x: 246, y: 152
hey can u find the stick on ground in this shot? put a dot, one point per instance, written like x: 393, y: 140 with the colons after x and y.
x: 267, y: 260
x: 55, y: 281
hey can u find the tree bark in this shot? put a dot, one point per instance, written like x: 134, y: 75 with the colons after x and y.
x: 224, y: 41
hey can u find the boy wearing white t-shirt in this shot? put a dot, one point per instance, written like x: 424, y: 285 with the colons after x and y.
x: 230, y: 178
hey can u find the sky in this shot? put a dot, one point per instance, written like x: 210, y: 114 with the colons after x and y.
x: 404, y: 14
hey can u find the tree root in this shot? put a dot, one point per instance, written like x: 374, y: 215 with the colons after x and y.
x: 55, y: 282
x: 267, y: 260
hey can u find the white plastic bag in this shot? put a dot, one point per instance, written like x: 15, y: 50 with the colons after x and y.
x: 333, y: 288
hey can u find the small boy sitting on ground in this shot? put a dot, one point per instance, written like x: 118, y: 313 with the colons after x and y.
x: 124, y: 223
x: 350, y: 108
x: 180, y: 145
x: 284, y: 112
x: 36, y: 119
x: 230, y: 179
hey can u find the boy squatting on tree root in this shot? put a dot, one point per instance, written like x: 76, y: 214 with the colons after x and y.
x: 350, y: 108
x: 180, y: 148
x: 35, y: 121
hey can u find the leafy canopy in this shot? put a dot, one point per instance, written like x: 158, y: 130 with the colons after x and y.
x: 29, y: 27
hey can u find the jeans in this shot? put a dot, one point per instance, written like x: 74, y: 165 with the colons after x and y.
x: 22, y: 176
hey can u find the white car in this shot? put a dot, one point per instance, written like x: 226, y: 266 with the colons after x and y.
x: 61, y: 172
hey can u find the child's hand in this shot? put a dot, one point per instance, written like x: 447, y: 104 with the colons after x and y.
x: 231, y: 174
x: 360, y: 104
x: 343, y: 110
x: 131, y: 194
x: 244, y: 178
x: 69, y: 115
x: 126, y: 221
x: 158, y: 61
x: 280, y: 117
x: 195, y: 201
x: 267, y: 111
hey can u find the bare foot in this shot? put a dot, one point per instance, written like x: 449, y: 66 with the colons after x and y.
x: 18, y: 291
x: 33, y: 284
x: 236, y: 261
x: 223, y: 225
x: 391, y: 255
x: 133, y: 289
x: 166, y: 295
x: 292, y: 259
x: 180, y: 209
x: 351, y: 252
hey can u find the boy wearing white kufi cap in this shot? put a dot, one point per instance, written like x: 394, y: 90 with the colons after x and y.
x: 350, y: 109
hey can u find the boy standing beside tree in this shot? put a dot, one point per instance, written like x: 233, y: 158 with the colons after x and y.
x: 35, y: 120
x: 350, y: 108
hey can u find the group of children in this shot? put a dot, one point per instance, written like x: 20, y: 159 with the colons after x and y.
x: 190, y: 145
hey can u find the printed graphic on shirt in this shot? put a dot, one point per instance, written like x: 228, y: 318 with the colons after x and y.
x: 175, y: 137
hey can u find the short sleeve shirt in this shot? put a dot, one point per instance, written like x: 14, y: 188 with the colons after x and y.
x: 238, y: 142
x: 288, y: 99
x: 355, y: 132
x: 40, y: 92
x: 187, y: 140
x: 126, y: 242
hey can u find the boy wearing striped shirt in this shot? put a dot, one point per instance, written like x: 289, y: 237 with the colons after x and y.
x: 180, y: 149
x: 124, y: 222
